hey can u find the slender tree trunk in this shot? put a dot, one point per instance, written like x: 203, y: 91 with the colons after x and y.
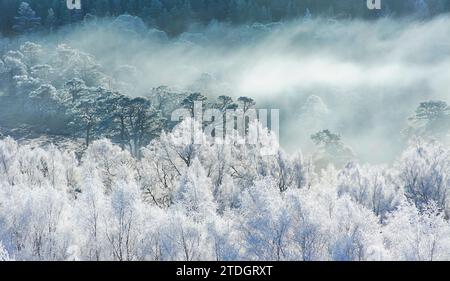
x: 88, y: 135
x: 122, y: 133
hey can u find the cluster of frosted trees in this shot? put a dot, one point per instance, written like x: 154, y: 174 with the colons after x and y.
x: 219, y: 200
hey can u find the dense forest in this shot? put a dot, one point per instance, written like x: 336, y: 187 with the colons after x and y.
x: 94, y: 166
x: 183, y: 201
x: 176, y: 16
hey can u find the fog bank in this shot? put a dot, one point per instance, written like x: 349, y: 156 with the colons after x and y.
x: 362, y: 79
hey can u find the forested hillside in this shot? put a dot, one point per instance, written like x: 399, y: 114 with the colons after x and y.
x: 225, y: 130
x: 176, y: 16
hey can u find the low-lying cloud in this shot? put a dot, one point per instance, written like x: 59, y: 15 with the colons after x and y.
x: 368, y: 75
